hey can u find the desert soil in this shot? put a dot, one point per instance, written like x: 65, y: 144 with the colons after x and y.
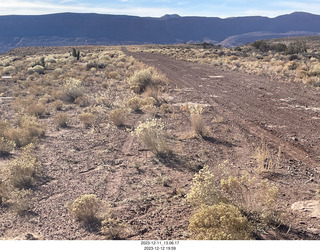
x: 149, y: 194
x: 283, y: 114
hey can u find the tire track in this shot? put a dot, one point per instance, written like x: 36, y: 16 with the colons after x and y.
x: 257, y: 104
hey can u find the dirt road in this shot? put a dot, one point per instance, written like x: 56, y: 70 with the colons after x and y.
x: 284, y: 114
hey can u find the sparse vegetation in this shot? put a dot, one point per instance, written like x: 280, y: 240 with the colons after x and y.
x: 203, y: 189
x: 147, y: 78
x: 6, y: 146
x: 87, y: 119
x: 118, y: 116
x: 197, y: 121
x: 72, y: 90
x: 62, y: 120
x: 263, y: 57
x: 152, y: 135
x: 265, y: 160
x: 76, y: 54
x: 86, y: 208
x: 28, y: 130
x: 24, y: 170
x: 219, y: 222
x: 131, y: 111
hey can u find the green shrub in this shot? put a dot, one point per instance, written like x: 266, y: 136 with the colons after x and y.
x: 297, y: 47
x: 76, y: 54
x: 261, y: 45
x: 279, y: 47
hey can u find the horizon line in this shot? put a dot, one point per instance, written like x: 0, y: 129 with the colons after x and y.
x: 168, y: 14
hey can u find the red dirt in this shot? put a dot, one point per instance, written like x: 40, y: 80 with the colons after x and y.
x: 282, y: 114
x: 112, y: 163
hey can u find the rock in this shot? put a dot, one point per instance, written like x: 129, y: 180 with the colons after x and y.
x: 312, y: 207
x: 29, y: 236
x: 313, y: 230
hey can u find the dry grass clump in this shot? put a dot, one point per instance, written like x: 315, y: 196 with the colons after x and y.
x: 151, y: 134
x: 24, y: 170
x: 250, y: 194
x: 8, y: 70
x: 87, y: 119
x: 3, y: 192
x: 112, y: 228
x: 166, y: 108
x: 253, y: 197
x: 203, y: 189
x: 153, y: 92
x: 219, y: 222
x: 86, y: 208
x: 72, y: 90
x: 82, y: 101
x: 147, y: 78
x: 20, y: 200
x: 197, y: 121
x: 91, y: 211
x: 32, y: 125
x: 20, y: 136
x: 118, y: 116
x: 137, y: 104
x: 6, y: 146
x: 28, y: 130
x: 62, y: 120
x: 314, y: 70
x: 29, y: 106
x: 38, y: 69
x: 37, y: 109
x: 215, y: 217
x: 265, y: 160
x: 4, y: 125
x: 58, y: 105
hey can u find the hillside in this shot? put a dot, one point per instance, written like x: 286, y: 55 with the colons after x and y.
x: 95, y: 29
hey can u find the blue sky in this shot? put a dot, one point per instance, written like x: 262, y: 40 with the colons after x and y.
x: 157, y: 8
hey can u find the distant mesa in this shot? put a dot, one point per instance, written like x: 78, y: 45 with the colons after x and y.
x: 170, y: 16
x: 71, y: 29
